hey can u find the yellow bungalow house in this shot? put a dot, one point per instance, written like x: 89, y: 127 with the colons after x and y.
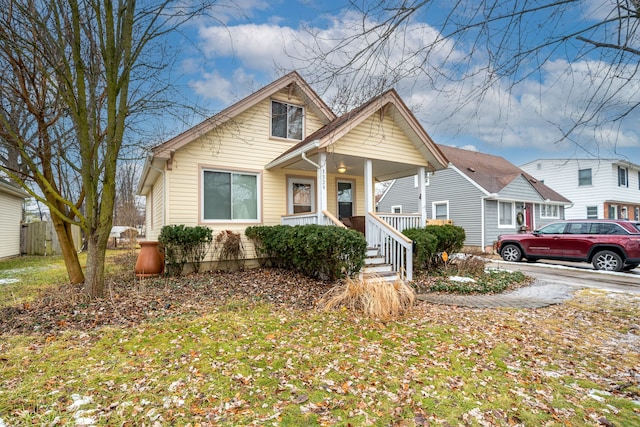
x: 281, y: 156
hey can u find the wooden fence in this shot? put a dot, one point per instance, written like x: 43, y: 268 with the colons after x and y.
x: 40, y: 238
x: 439, y: 222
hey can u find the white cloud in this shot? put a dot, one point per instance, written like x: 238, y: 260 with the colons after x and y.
x: 528, y: 115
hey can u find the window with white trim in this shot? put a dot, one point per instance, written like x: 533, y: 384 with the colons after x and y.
x: 584, y: 177
x: 230, y: 196
x: 301, y: 195
x: 505, y: 214
x: 549, y: 211
x: 286, y: 120
x: 440, y: 210
x: 396, y: 209
x: 623, y: 177
x: 592, y: 212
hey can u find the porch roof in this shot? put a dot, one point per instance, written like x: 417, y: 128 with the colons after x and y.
x: 384, y: 169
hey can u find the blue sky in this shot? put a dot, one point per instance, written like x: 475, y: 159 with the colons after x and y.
x: 228, y: 58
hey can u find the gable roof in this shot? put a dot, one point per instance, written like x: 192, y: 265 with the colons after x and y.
x: 12, y: 189
x: 164, y: 152
x: 292, y: 80
x: 494, y: 173
x: 387, y: 102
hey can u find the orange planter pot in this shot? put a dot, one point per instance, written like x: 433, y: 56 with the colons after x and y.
x: 150, y: 261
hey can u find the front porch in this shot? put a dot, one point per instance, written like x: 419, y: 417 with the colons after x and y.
x: 383, y: 231
x: 377, y: 142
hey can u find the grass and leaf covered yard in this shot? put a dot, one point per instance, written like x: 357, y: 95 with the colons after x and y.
x: 251, y: 348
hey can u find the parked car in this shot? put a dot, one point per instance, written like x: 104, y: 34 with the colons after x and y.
x: 611, y: 245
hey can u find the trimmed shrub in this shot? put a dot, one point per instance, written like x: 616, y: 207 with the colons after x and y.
x: 317, y: 251
x: 450, y: 237
x: 424, y: 246
x: 184, y: 245
x: 431, y: 241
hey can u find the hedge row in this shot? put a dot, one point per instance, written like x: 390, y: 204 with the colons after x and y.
x: 317, y: 251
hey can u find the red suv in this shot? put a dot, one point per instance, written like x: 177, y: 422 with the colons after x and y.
x: 611, y: 245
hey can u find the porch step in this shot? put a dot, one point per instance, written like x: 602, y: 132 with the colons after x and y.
x: 375, y: 266
x: 389, y: 276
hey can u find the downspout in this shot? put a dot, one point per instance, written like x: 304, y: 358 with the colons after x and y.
x: 320, y: 174
x: 308, y: 160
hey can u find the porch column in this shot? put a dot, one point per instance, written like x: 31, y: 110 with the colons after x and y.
x: 423, y: 197
x: 322, y: 186
x: 368, y: 186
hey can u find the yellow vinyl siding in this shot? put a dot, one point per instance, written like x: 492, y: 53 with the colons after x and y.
x: 383, y: 141
x: 242, y: 144
x: 332, y: 197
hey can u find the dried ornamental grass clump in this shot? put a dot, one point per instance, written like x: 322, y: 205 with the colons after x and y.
x: 374, y: 297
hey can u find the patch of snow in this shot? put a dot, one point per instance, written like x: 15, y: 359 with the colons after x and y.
x: 2, y: 424
x: 84, y: 421
x: 461, y: 279
x: 78, y: 401
x: 6, y: 282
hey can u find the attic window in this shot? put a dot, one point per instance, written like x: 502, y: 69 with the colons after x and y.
x: 286, y: 120
x: 470, y: 169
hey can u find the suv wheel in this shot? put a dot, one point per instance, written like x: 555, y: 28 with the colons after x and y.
x: 511, y: 253
x: 608, y: 261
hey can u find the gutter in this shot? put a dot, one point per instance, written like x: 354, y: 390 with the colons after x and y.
x: 292, y: 155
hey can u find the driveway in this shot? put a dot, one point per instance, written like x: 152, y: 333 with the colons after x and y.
x: 553, y: 284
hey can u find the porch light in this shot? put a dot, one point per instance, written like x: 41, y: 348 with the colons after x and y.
x: 342, y: 169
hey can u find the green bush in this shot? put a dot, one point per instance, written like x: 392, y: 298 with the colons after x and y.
x: 431, y: 241
x: 489, y: 283
x: 184, y: 245
x: 424, y: 247
x: 450, y: 237
x: 314, y: 250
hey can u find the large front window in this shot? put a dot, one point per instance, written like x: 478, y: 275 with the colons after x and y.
x: 505, y: 214
x: 230, y: 196
x: 286, y: 120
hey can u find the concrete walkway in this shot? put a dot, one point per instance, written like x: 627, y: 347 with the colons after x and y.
x: 539, y: 294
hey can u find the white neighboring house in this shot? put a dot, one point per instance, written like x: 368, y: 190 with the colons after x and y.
x: 11, y: 200
x: 598, y: 188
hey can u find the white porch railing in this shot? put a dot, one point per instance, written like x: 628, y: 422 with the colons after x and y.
x: 401, y: 221
x: 311, y: 218
x: 396, y: 248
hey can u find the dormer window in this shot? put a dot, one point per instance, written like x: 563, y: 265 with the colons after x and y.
x: 286, y: 120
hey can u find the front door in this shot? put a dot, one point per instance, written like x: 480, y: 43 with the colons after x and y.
x: 528, y: 216
x: 301, y: 195
x: 345, y: 199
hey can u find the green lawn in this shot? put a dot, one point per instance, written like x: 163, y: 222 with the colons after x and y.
x: 247, y: 362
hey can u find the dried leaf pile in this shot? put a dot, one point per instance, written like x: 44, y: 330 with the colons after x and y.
x: 130, y: 301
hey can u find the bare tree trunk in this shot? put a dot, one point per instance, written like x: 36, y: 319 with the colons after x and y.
x: 96, y: 255
x: 69, y: 251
